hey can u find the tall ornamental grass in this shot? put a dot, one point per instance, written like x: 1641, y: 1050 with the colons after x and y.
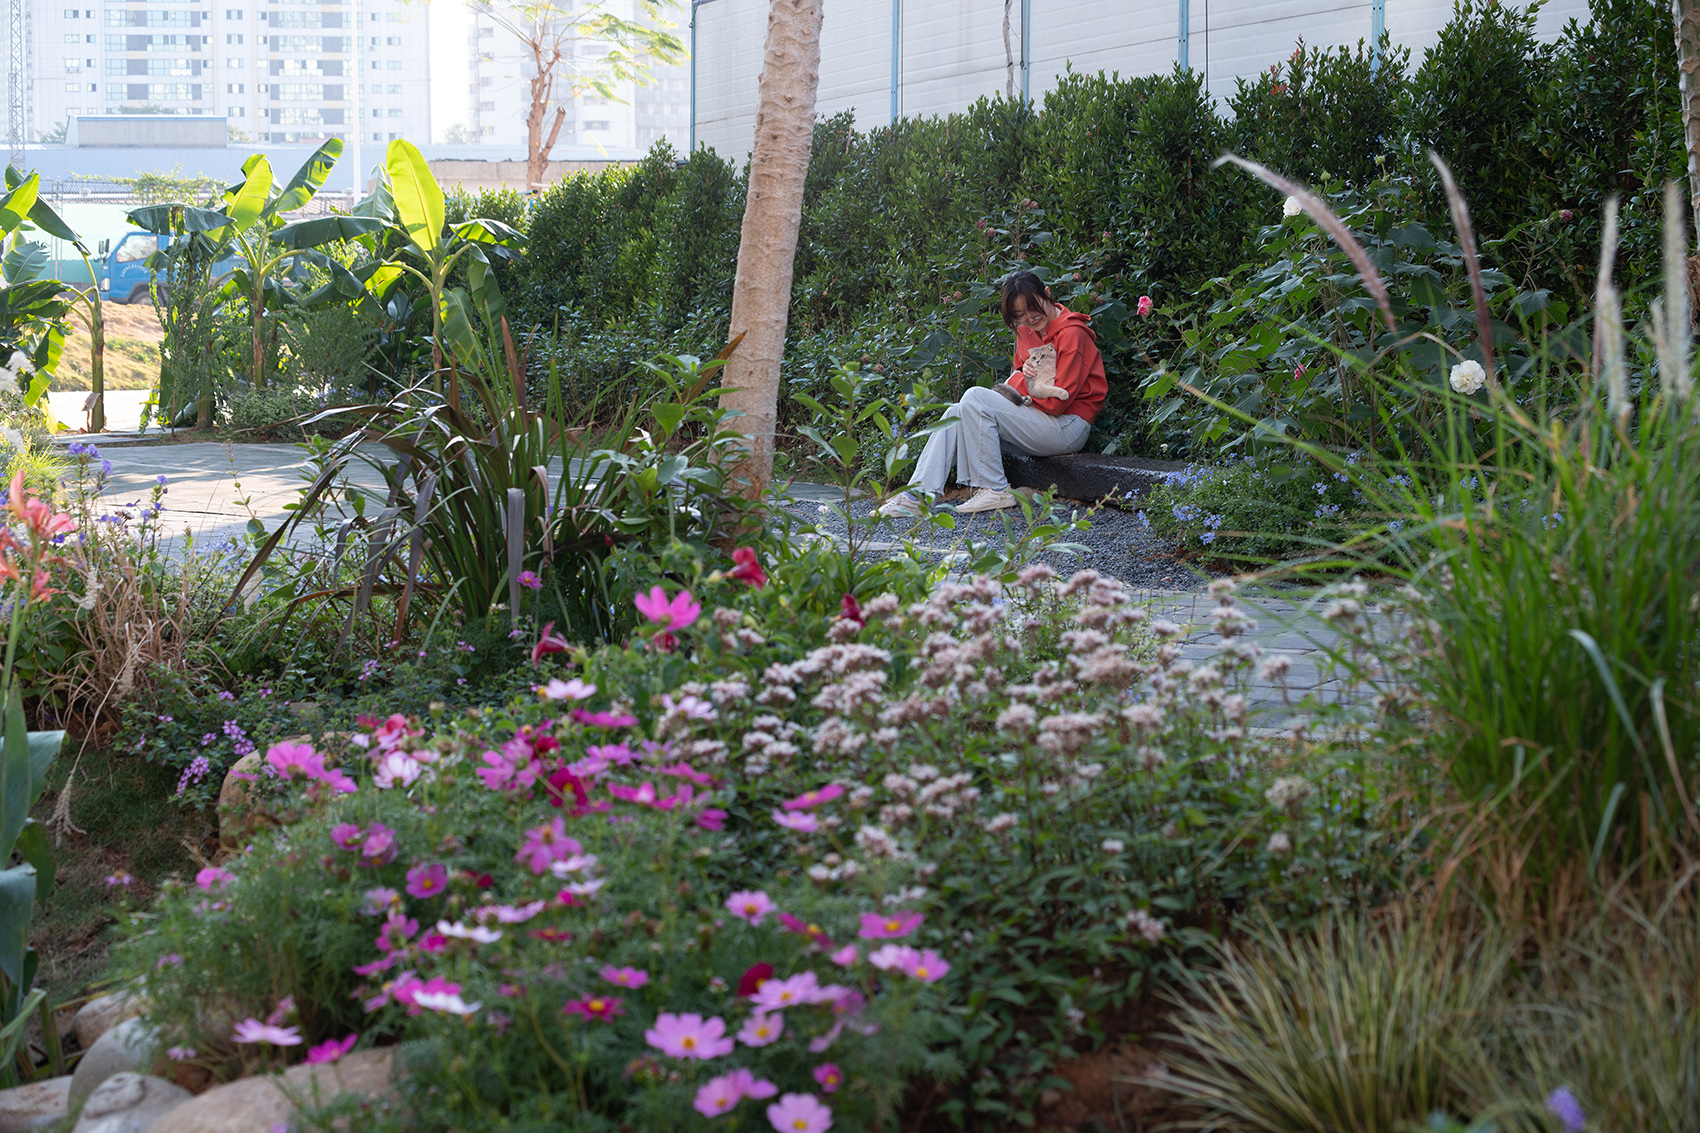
x: 1551, y: 545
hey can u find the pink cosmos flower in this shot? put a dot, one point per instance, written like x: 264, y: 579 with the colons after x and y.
x: 717, y: 1096
x: 678, y: 613
x: 395, y: 769
x: 799, y: 1113
x: 750, y: 905
x: 448, y: 1002
x: 776, y: 995
x: 433, y: 942
x: 336, y: 780
x: 380, y: 900
x: 689, y: 1036
x: 878, y: 926
x: 926, y: 966
x: 808, y: 800
x: 427, y: 880
x: 845, y: 957
x: 749, y: 1086
x: 1144, y: 306
x: 574, y: 689
x: 529, y: 580
x: 397, y: 931
x: 213, y: 879
x: 563, y: 781
x: 254, y: 1031
x: 382, y: 964
x: 761, y: 1029
x: 346, y: 835
x: 686, y: 771
x: 407, y: 989
x: 712, y: 818
x: 548, y: 642
x: 511, y: 914
x: 748, y: 569
x: 603, y: 1007
x: 546, y: 844
x: 378, y: 848
x: 295, y: 760
x: 393, y: 730
x: 624, y: 977
x: 891, y: 956
x: 330, y: 1050
x: 799, y: 821
x: 829, y: 1077
x: 603, y: 719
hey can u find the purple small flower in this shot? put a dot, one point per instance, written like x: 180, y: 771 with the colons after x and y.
x: 1562, y: 1104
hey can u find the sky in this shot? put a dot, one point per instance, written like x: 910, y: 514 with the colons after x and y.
x: 450, y: 22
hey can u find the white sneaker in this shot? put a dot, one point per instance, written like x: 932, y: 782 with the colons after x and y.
x: 987, y: 499
x: 901, y: 506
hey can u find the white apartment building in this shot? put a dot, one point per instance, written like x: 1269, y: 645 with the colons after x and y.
x: 499, y: 71
x: 282, y: 71
x: 889, y: 59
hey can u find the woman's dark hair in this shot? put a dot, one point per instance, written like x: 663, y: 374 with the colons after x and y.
x: 1022, y: 285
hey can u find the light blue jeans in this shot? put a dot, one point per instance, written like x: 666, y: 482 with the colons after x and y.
x: 988, y: 425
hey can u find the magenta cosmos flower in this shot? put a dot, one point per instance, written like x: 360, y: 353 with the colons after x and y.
x: 667, y: 615
x: 808, y: 800
x: 926, y: 965
x: 295, y: 760
x: 797, y: 820
x: 330, y: 1050
x: 427, y: 880
x: 761, y: 1029
x: 829, y: 1076
x: 689, y: 1036
x: 545, y: 845
x: 749, y: 904
x: 799, y: 1113
x: 213, y: 879
x: 624, y: 977
x: 885, y: 926
x: 603, y: 1007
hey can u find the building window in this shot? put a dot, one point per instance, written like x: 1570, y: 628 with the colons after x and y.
x: 70, y: 13
x: 376, y: 113
x: 486, y: 106
x: 235, y: 37
x: 298, y: 92
x: 395, y: 112
x: 78, y: 87
x: 393, y: 64
x: 395, y: 88
x: 238, y: 112
x: 234, y: 63
x: 73, y: 66
x: 393, y: 40
x: 485, y: 81
x: 376, y: 136
x: 486, y: 33
x: 233, y: 13
x: 73, y: 37
x: 393, y: 137
x: 596, y: 125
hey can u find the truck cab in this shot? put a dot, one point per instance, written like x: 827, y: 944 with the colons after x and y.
x: 125, y: 277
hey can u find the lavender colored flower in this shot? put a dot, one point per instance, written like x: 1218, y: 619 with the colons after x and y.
x: 1562, y: 1104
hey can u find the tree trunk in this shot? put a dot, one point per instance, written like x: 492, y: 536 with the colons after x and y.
x: 97, y: 364
x: 1008, y: 54
x: 542, y: 87
x: 767, y: 247
x: 1687, y: 17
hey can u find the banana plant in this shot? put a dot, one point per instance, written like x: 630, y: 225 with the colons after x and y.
x: 86, y: 304
x: 250, y: 222
x: 32, y: 313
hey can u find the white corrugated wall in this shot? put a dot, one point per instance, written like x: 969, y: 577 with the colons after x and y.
x: 947, y: 53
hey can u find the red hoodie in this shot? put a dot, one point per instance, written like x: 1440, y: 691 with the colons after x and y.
x: 1080, y: 368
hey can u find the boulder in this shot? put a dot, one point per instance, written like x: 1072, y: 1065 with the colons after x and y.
x: 33, y: 1105
x: 100, y: 1014
x: 131, y: 1045
x: 238, y: 817
x: 255, y: 1104
x: 1089, y: 476
x: 129, y: 1103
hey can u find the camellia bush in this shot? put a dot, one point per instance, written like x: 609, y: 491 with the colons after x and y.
x: 767, y: 859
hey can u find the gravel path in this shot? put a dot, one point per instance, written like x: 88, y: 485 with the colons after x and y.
x: 1117, y: 544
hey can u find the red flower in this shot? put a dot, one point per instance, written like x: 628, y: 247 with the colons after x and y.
x: 553, y: 935
x: 850, y: 609
x: 548, y: 642
x: 748, y: 569
x: 750, y: 982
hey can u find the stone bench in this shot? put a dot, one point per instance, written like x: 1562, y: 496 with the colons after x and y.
x: 1088, y: 475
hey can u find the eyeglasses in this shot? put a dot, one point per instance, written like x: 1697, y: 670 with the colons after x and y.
x: 1031, y: 318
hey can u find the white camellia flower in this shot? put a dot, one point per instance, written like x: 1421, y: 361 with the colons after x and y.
x: 1468, y: 377
x: 1290, y: 208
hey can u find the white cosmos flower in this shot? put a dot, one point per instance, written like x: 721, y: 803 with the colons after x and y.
x: 586, y: 888
x: 577, y: 863
x: 396, y: 767
x: 1468, y: 377
x: 474, y: 932
x: 446, y: 1002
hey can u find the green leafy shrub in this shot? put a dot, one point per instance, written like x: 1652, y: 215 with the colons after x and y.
x: 1253, y: 509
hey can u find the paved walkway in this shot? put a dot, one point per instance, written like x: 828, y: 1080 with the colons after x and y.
x: 215, y: 489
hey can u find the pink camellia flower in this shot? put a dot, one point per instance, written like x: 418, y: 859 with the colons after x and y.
x: 885, y: 926
x: 829, y: 1077
x: 797, y: 820
x: 548, y: 642
x: 546, y: 844
x: 776, y: 995
x: 748, y: 569
x: 799, y: 1113
x: 761, y: 1029
x: 213, y: 879
x: 808, y: 800
x: 689, y: 1036
x: 750, y: 905
x: 574, y: 689
x: 624, y: 977
x: 603, y: 719
x: 254, y: 1031
x: 712, y: 818
x: 898, y: 956
x: 529, y: 580
x: 1144, y: 306
x: 427, y: 880
x: 717, y: 1096
x: 844, y: 957
x: 293, y: 761
x: 603, y: 1007
x: 676, y: 613
x: 926, y: 966
x: 330, y: 1050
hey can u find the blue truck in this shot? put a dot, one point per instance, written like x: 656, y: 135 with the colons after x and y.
x: 124, y: 275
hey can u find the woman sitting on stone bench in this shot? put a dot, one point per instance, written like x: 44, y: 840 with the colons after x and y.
x: 1044, y: 409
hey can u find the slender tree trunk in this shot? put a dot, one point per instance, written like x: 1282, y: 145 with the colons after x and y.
x: 542, y: 87
x: 1008, y: 54
x: 97, y: 363
x: 1687, y: 16
x: 767, y: 247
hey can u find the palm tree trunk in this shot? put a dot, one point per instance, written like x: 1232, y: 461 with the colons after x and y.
x: 1687, y: 16
x: 767, y: 248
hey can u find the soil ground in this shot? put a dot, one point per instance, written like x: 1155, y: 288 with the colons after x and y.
x: 133, y: 336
